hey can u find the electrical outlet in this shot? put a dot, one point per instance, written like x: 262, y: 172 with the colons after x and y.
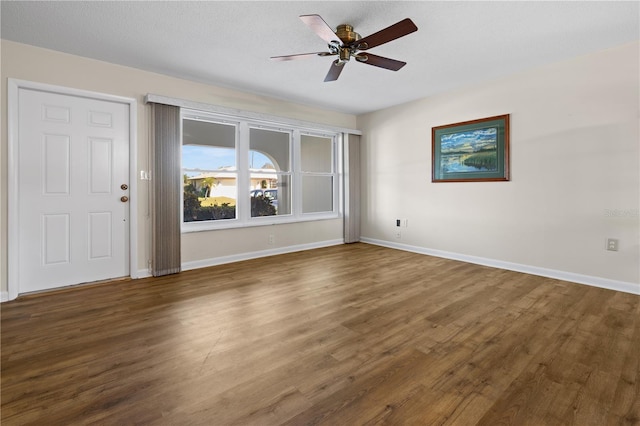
x: 398, y: 235
x: 612, y: 244
x: 271, y: 240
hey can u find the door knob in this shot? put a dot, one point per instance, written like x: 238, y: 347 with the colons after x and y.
x: 124, y: 187
x: 124, y: 198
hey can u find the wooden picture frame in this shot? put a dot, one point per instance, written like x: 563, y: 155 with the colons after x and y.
x: 471, y: 151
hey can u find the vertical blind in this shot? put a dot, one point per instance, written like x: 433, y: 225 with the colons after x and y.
x: 351, y: 160
x: 165, y: 192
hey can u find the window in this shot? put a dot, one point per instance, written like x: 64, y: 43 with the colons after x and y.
x: 239, y: 173
x: 317, y: 163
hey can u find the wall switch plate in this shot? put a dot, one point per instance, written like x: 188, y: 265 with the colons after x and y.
x: 612, y: 244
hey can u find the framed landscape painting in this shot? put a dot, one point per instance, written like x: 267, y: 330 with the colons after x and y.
x: 471, y: 151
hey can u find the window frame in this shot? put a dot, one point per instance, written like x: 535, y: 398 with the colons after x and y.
x: 243, y: 217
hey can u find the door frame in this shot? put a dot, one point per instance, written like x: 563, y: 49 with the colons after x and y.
x: 13, y: 88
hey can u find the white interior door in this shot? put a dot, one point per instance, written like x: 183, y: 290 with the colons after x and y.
x: 73, y: 170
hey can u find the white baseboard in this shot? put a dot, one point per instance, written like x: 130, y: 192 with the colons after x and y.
x: 4, y: 296
x: 623, y: 286
x: 196, y: 264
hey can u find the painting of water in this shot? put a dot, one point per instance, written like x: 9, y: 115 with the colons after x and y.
x: 469, y: 151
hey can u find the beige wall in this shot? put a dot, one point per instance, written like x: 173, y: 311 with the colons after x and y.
x: 574, y: 159
x: 25, y: 62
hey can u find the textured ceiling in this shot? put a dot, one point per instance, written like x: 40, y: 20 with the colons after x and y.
x: 229, y: 43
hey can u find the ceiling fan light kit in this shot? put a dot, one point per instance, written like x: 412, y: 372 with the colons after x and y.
x: 346, y: 43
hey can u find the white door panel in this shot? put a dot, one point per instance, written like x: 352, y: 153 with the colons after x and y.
x: 73, y: 158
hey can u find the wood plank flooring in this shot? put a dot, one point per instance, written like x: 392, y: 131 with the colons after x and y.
x: 345, y: 335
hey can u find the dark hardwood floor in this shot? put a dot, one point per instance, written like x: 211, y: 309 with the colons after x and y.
x: 345, y: 335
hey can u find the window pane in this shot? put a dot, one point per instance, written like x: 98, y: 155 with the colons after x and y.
x: 208, y: 146
x: 209, y: 170
x: 271, y: 196
x: 269, y: 150
x: 317, y: 194
x: 316, y: 154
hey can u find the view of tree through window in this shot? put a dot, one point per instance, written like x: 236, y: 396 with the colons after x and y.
x: 210, y: 170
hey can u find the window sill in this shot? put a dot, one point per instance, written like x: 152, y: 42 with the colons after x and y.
x: 204, y: 226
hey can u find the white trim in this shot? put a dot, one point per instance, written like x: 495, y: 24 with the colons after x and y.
x: 340, y: 176
x: 204, y: 226
x: 133, y: 187
x: 196, y: 264
x: 626, y: 287
x: 13, y: 86
x: 13, y: 211
x: 143, y: 273
x: 248, y: 115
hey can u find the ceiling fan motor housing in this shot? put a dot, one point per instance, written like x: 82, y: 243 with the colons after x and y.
x: 346, y: 34
x: 348, y: 37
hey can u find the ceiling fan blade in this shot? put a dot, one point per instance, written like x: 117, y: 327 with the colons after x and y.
x: 397, y: 30
x: 380, y: 61
x: 334, y: 71
x: 321, y: 28
x: 300, y: 56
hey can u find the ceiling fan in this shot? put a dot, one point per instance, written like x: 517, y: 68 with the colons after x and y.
x: 347, y: 44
